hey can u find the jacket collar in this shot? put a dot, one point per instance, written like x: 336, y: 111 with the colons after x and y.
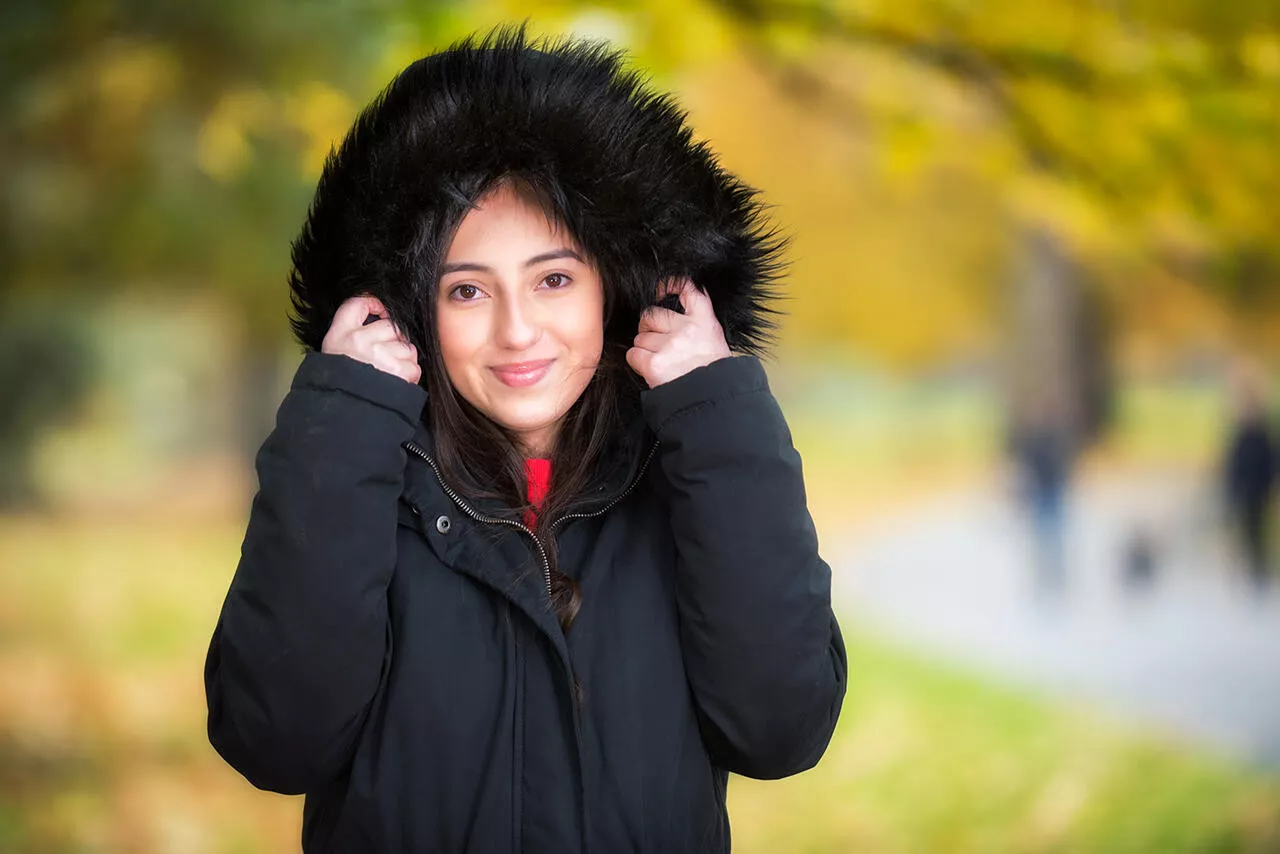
x: 617, y: 471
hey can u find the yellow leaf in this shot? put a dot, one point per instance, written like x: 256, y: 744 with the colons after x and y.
x: 222, y: 147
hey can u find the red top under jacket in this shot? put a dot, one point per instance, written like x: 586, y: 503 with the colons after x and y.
x: 538, y: 477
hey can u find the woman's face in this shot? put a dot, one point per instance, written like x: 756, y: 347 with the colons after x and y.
x: 520, y: 316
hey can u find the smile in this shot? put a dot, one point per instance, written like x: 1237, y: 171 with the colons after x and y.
x: 522, y: 374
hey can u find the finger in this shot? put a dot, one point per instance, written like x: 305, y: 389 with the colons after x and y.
x: 667, y: 294
x: 353, y: 312
x: 696, y: 302
x: 378, y: 332
x: 658, y: 319
x: 640, y: 361
x: 671, y: 285
x: 349, y: 315
x: 398, y: 350
x: 374, y: 305
x: 410, y: 374
x: 651, y: 341
x: 405, y: 370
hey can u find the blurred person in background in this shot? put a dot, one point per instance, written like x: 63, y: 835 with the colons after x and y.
x: 1059, y: 393
x: 1250, y: 471
x: 1043, y: 450
x: 518, y: 578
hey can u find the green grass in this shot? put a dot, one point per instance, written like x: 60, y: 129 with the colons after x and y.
x: 1172, y: 422
x: 103, y: 627
x: 926, y: 759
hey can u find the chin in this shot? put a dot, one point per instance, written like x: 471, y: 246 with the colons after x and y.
x: 525, y: 421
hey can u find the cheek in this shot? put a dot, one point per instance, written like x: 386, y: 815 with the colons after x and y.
x: 461, y: 339
x: 589, y: 323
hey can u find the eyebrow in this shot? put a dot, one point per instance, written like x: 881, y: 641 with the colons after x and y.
x: 469, y: 267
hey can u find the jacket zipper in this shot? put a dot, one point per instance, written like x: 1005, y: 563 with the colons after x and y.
x: 413, y: 448
x: 614, y: 503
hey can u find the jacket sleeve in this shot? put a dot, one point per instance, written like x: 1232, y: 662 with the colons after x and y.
x: 302, y: 642
x: 763, y: 653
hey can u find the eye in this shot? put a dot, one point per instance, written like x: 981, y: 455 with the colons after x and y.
x: 556, y: 280
x: 464, y: 293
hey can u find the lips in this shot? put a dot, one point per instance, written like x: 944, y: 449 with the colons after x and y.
x: 521, y: 374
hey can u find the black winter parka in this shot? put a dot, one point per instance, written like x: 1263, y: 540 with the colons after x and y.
x: 390, y: 654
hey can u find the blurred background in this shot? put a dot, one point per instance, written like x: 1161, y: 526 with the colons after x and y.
x: 1030, y: 360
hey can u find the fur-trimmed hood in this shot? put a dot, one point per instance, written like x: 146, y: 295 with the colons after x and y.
x: 616, y: 160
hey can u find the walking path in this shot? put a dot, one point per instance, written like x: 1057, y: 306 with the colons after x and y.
x: 1195, y: 652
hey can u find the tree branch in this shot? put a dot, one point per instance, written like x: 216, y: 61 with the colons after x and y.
x: 985, y: 70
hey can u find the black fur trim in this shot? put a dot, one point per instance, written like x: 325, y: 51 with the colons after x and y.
x: 615, y: 160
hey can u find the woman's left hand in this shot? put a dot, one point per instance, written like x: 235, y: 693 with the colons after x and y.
x: 671, y: 344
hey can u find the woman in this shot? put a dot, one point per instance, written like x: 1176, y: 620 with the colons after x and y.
x: 440, y: 656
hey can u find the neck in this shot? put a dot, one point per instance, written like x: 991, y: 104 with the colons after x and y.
x: 538, y: 444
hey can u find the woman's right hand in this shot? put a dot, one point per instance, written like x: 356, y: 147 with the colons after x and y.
x: 379, y: 343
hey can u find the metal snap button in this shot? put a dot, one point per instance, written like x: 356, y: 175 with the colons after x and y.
x: 443, y: 524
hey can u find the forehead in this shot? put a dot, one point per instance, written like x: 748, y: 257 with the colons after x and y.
x: 507, y: 222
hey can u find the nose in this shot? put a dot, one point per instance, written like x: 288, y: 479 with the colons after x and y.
x: 516, y: 326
